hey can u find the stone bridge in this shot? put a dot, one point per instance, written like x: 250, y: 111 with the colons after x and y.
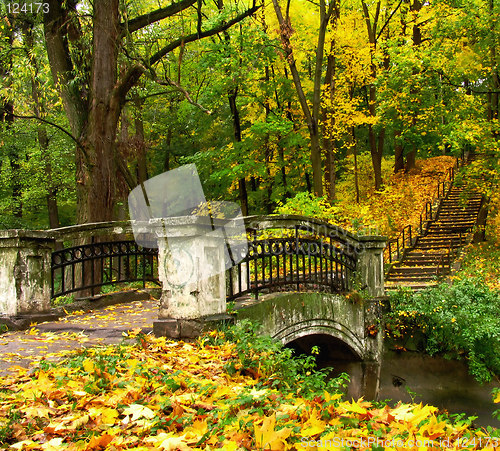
x: 297, y: 276
x: 291, y: 316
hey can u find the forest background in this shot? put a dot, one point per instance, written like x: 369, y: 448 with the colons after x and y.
x: 300, y: 107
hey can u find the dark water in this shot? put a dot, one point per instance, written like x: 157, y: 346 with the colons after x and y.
x: 443, y: 383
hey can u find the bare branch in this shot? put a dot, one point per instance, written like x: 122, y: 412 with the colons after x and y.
x: 155, y: 94
x: 155, y: 16
x: 178, y: 87
x: 195, y: 36
x: 66, y: 132
x: 49, y: 123
x: 389, y: 19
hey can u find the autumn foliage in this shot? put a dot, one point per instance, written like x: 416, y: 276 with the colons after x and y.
x: 165, y: 395
x: 385, y: 212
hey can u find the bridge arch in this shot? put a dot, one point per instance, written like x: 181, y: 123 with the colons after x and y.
x: 291, y: 316
x: 322, y: 326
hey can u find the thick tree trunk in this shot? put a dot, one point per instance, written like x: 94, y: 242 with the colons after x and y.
x: 98, y: 169
x: 411, y: 158
x: 93, y: 105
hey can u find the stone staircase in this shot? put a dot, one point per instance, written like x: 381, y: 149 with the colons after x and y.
x: 432, y: 253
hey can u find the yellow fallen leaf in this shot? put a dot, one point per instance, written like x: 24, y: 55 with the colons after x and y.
x: 109, y: 416
x: 54, y: 444
x: 138, y: 411
x: 88, y: 366
x: 266, y: 437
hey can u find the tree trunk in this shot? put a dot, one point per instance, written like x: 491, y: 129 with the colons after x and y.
x: 43, y: 140
x: 242, y: 186
x: 308, y: 182
x: 140, y: 142
x: 376, y: 142
x: 168, y: 150
x: 417, y: 40
x: 311, y: 115
x: 399, y: 161
x: 356, y: 171
x: 411, y: 159
x: 328, y: 143
x: 376, y: 155
x: 93, y: 103
x: 493, y: 107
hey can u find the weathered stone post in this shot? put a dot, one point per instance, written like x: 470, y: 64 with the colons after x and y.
x: 371, y: 264
x: 371, y: 272
x: 191, y: 266
x: 25, y: 275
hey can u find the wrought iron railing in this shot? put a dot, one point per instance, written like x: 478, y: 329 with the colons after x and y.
x: 308, y: 260
x: 91, y: 266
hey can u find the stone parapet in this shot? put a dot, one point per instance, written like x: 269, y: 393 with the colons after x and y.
x: 25, y: 271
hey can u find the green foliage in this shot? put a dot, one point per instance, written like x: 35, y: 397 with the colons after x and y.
x: 482, y: 260
x: 496, y: 399
x: 62, y: 300
x: 7, y: 423
x: 306, y: 204
x: 276, y: 364
x: 458, y: 321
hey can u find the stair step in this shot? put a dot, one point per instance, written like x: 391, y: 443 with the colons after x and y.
x: 420, y: 261
x: 439, y: 239
x: 414, y: 271
x: 436, y: 246
x: 430, y: 255
x: 407, y: 278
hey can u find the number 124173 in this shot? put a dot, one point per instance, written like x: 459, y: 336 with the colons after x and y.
x: 32, y: 7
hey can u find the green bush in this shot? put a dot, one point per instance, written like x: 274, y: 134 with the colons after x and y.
x: 275, y: 365
x: 458, y: 321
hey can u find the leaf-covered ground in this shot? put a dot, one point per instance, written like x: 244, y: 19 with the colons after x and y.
x: 79, y: 329
x: 165, y: 395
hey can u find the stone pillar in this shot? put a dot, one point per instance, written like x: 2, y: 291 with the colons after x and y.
x: 191, y: 268
x: 371, y: 264
x: 25, y: 272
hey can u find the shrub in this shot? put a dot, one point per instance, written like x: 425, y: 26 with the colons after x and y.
x: 459, y: 321
x: 275, y: 365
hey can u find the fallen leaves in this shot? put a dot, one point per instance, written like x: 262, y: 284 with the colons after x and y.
x: 166, y: 395
x: 51, y: 341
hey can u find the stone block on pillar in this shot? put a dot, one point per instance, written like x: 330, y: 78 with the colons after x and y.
x: 370, y: 264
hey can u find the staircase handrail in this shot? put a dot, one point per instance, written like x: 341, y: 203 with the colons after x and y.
x: 428, y: 214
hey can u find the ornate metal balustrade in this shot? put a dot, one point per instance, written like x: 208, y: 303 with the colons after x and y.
x: 92, y: 266
x: 311, y: 258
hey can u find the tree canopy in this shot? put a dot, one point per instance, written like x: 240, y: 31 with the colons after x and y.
x: 270, y: 100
